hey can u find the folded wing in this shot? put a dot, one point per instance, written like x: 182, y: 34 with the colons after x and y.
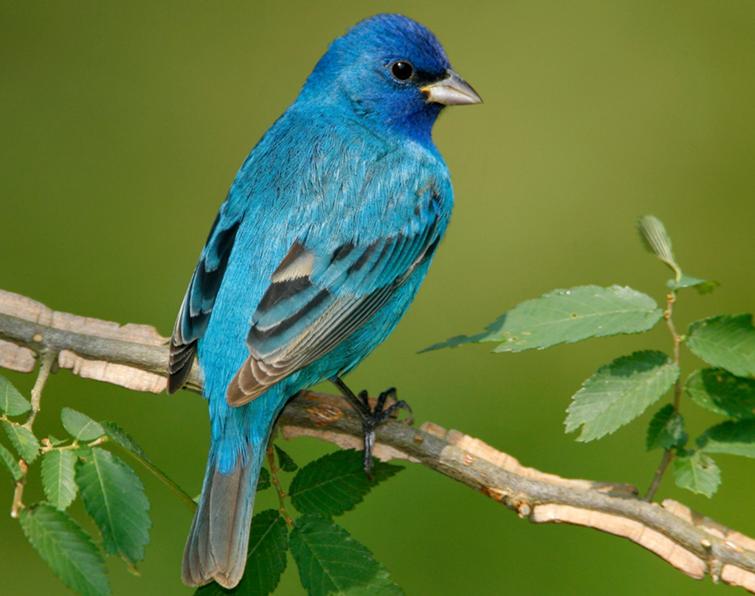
x: 318, y: 297
x: 200, y: 297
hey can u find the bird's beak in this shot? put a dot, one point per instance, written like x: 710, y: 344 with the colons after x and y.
x: 451, y: 90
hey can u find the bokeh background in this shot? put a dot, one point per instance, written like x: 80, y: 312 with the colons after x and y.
x: 122, y: 125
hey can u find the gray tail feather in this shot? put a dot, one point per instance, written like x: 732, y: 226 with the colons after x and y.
x: 217, y: 544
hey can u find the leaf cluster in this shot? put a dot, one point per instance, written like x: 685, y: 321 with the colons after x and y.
x: 112, y: 494
x: 329, y: 560
x: 623, y: 389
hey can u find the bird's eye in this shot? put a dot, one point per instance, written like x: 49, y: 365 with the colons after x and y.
x: 402, y: 70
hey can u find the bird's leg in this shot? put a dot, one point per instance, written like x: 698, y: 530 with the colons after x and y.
x: 371, y: 417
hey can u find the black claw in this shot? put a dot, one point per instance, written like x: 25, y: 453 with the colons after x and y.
x: 380, y: 404
x: 372, y: 417
x: 400, y: 405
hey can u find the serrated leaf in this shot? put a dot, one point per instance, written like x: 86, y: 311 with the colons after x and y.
x: 725, y: 341
x: 666, y: 429
x: 285, y: 461
x: 10, y: 462
x: 23, y: 441
x: 336, y: 483
x: 12, y: 403
x: 736, y: 437
x: 114, y: 497
x: 331, y: 561
x: 58, y: 472
x: 721, y: 392
x: 380, y: 585
x: 67, y: 549
x: 697, y: 473
x: 619, y: 392
x: 566, y: 316
x: 120, y: 437
x: 703, y: 286
x: 80, y: 426
x: 266, y: 560
x: 263, y: 481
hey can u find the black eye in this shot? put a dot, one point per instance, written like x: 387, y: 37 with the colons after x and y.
x: 402, y: 70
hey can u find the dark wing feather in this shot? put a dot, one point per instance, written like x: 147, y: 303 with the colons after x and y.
x: 199, y: 299
x: 317, y: 300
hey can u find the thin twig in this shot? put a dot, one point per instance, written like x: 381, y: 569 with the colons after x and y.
x: 47, y: 360
x: 668, y: 454
x: 677, y: 340
x: 18, y: 492
x: 182, y: 495
x: 117, y: 354
x: 278, y: 486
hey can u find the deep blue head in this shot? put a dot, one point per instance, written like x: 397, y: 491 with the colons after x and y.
x: 391, y: 72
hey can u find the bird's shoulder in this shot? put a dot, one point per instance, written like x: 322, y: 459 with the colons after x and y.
x: 313, y: 165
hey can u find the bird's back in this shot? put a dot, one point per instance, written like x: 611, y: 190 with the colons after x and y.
x: 327, y: 182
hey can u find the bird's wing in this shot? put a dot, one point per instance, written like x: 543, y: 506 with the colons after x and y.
x: 200, y: 296
x: 318, y: 297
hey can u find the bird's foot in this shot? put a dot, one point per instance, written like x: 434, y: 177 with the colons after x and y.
x: 373, y: 417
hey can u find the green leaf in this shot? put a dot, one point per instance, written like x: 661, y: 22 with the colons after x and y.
x: 23, y: 440
x: 285, y: 461
x: 114, y: 497
x: 10, y: 462
x: 566, y: 316
x: 698, y: 473
x: 657, y: 241
x: 721, y: 392
x: 121, y: 438
x: 736, y: 437
x: 666, y: 430
x: 726, y: 341
x: 266, y: 560
x: 59, y: 478
x: 67, y: 549
x: 12, y: 403
x: 619, y: 392
x: 80, y: 426
x: 331, y: 561
x: 703, y: 286
x: 336, y: 483
x: 263, y: 481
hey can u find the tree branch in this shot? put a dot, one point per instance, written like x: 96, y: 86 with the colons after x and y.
x: 136, y: 356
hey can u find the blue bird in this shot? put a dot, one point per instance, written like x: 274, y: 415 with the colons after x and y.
x: 320, y: 246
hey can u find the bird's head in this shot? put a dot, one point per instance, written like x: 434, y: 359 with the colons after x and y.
x: 392, y: 73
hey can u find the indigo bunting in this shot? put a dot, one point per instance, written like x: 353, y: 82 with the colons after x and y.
x: 320, y: 246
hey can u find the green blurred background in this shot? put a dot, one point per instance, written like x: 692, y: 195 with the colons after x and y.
x: 122, y: 125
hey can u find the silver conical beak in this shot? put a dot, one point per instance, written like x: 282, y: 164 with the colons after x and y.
x: 451, y: 91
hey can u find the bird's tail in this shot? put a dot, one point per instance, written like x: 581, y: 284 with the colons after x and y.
x: 217, y: 544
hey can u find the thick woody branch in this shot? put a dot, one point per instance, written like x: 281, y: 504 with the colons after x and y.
x: 135, y: 356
